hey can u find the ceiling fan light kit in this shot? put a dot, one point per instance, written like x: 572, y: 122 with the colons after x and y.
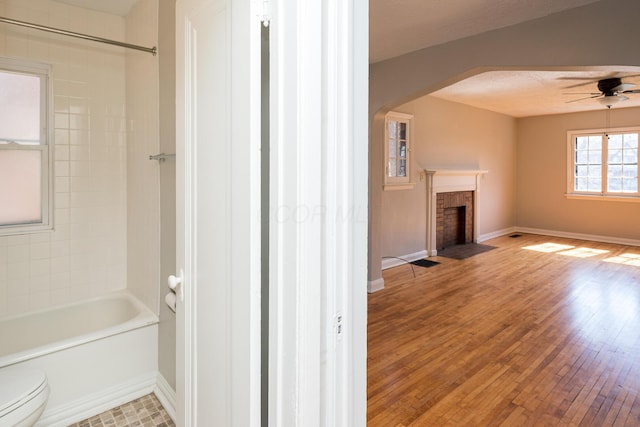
x: 609, y: 100
x: 612, y: 91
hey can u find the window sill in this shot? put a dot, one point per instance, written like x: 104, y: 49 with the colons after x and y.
x: 600, y: 197
x: 403, y: 186
x: 12, y: 230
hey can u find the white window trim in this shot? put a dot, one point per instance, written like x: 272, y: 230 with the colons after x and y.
x: 46, y: 147
x: 571, y: 194
x: 398, y: 183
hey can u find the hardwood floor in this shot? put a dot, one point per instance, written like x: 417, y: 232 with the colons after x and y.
x: 544, y: 336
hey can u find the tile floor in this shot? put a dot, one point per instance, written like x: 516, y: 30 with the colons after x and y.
x: 144, y: 412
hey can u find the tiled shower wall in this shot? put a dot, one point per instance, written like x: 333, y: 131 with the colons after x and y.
x: 86, y: 254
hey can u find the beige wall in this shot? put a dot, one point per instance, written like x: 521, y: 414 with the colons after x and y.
x: 542, y: 178
x: 452, y: 136
x: 167, y: 65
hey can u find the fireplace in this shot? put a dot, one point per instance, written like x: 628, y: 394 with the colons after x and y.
x: 452, y: 213
x: 454, y: 218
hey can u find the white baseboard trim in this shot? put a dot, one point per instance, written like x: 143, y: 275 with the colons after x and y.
x: 394, y: 262
x: 579, y: 236
x: 494, y: 234
x: 166, y: 395
x: 375, y: 285
x: 96, y: 403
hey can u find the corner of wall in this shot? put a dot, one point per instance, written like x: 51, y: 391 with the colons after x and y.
x: 375, y: 285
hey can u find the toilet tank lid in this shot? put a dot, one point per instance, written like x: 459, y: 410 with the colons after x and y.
x: 16, y: 384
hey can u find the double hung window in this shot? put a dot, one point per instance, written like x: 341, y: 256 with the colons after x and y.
x: 604, y: 163
x: 24, y: 147
x: 398, y: 139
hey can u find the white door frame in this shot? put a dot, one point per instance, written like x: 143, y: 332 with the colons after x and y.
x: 319, y: 212
x: 318, y: 217
x: 218, y: 212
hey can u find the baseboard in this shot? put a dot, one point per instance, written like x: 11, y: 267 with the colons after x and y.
x: 375, y: 285
x: 96, y: 403
x: 494, y: 234
x: 166, y: 395
x: 394, y: 262
x: 579, y: 236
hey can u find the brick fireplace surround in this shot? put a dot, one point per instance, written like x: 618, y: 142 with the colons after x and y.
x: 452, y: 195
x: 454, y: 218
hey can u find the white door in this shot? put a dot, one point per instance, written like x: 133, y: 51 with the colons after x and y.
x: 218, y: 222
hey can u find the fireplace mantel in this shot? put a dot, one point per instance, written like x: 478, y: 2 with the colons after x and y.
x: 447, y: 181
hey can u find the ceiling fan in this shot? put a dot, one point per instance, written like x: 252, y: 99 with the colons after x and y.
x: 612, y: 91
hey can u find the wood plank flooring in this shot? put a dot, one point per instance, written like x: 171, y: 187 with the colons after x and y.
x: 544, y: 336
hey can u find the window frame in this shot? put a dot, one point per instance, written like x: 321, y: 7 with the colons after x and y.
x: 396, y: 182
x: 44, y: 72
x: 603, y: 194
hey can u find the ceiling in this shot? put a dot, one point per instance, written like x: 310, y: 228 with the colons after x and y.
x: 537, y: 93
x: 401, y: 26
x: 397, y: 27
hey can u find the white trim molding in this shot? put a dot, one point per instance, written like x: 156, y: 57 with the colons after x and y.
x: 375, y: 285
x: 602, y: 197
x: 579, y: 236
x: 391, y: 261
x: 318, y: 54
x: 497, y: 233
x: 96, y: 403
x: 446, y: 181
x: 166, y: 395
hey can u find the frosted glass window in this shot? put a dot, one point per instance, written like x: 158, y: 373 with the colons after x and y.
x: 20, y: 187
x: 19, y: 109
x: 24, y: 147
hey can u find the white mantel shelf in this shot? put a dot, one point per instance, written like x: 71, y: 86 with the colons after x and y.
x: 455, y: 171
x: 447, y: 181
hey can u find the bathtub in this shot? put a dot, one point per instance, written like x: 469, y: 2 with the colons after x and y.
x: 97, y: 354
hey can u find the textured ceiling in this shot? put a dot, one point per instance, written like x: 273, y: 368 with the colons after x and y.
x: 535, y: 93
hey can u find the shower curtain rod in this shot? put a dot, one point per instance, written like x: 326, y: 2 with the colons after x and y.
x: 151, y: 50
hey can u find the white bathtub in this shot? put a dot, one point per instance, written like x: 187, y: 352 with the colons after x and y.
x: 97, y: 354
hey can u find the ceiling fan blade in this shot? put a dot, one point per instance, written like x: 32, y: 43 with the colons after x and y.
x: 590, y: 82
x: 582, y: 99
x: 631, y: 91
x: 623, y: 87
x: 582, y: 93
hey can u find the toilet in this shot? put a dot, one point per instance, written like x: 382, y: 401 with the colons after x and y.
x: 23, y: 396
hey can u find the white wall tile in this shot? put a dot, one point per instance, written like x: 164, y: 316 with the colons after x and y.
x: 17, y: 304
x: 18, y: 270
x: 85, y: 255
x: 40, y: 284
x: 61, y: 263
x: 39, y: 267
x: 17, y: 253
x: 39, y: 300
x: 40, y: 251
